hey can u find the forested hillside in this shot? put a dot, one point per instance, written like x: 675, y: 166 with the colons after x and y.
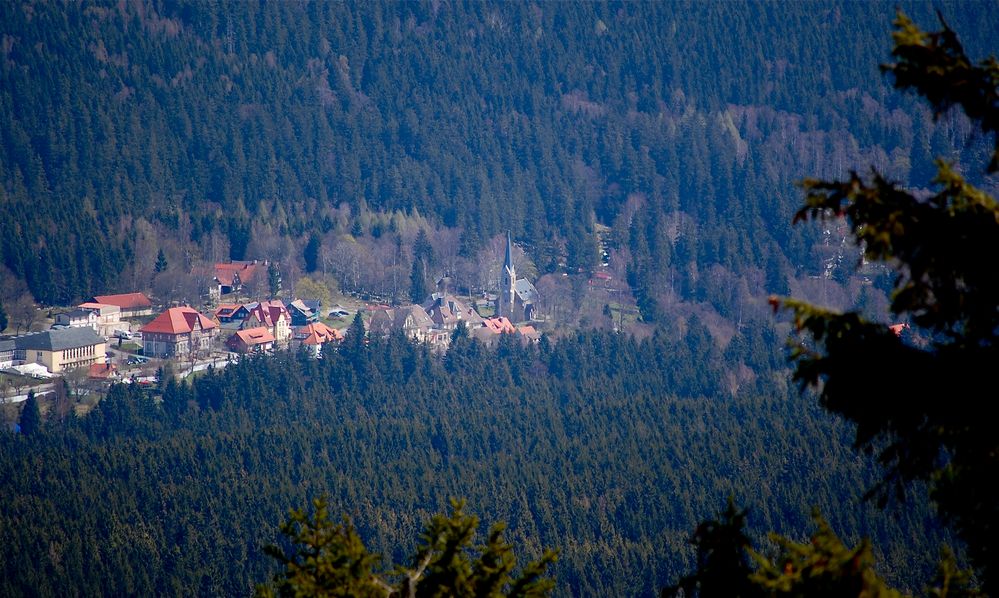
x: 614, y: 463
x: 214, y: 130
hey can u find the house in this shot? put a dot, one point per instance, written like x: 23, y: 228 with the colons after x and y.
x: 131, y: 304
x: 272, y: 315
x: 518, y: 298
x: 315, y: 335
x: 412, y: 321
x: 251, y: 340
x: 179, y: 331
x: 230, y: 278
x: 108, y: 317
x: 488, y: 333
x: 103, y: 371
x: 59, y: 350
x: 499, y: 325
x: 6, y: 353
x: 304, y: 312
x: 231, y: 312
x: 447, y: 312
x: 77, y: 318
x: 530, y: 334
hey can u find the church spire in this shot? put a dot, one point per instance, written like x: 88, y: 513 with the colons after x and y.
x: 508, y: 264
x: 505, y: 301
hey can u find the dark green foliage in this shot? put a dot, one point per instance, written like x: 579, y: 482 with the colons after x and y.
x: 161, y: 262
x: 935, y: 66
x: 31, y: 417
x: 327, y: 559
x: 273, y: 278
x: 723, y: 567
x: 419, y: 288
x: 824, y: 567
x: 204, y: 118
x: 424, y: 265
x: 311, y: 253
x: 3, y: 318
x: 918, y: 401
x: 602, y: 445
x: 331, y: 560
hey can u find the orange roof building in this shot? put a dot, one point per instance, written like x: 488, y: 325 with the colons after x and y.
x: 131, y: 304
x: 232, y: 276
x: 177, y: 331
x: 500, y: 325
x: 317, y: 333
x: 313, y: 336
x: 102, y: 371
x: 251, y: 340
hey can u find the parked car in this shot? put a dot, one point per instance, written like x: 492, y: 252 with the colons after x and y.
x: 123, y: 335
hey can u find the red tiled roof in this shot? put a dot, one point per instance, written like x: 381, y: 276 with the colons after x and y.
x: 125, y: 301
x: 178, y: 320
x: 898, y: 328
x: 101, y: 370
x: 269, y: 312
x: 318, y: 333
x: 246, y: 270
x: 499, y: 325
x: 255, y: 336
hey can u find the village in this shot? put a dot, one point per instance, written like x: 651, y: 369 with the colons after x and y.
x: 125, y: 338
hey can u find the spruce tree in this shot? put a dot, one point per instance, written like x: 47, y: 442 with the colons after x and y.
x: 920, y: 406
x: 311, y: 253
x: 31, y: 416
x: 161, y: 262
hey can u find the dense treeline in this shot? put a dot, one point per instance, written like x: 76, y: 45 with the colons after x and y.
x: 606, y: 447
x: 222, y: 126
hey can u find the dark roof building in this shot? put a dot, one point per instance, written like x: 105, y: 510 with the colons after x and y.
x: 58, y: 340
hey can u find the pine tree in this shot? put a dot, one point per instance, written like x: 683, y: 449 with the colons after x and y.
x: 419, y: 288
x: 311, y: 253
x: 31, y: 416
x: 331, y: 560
x: 273, y: 279
x: 161, y: 262
x: 921, y: 406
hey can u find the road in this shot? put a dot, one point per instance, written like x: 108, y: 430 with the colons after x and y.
x: 39, y: 390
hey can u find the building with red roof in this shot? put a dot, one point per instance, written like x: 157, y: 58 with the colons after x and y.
x: 313, y: 336
x: 491, y: 329
x: 231, y: 277
x: 102, y: 371
x: 130, y: 304
x: 251, y: 340
x: 177, y: 331
x: 272, y: 315
x: 898, y: 329
x: 500, y: 325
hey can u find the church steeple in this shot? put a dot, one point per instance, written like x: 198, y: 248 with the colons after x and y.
x: 505, y: 302
x: 508, y: 263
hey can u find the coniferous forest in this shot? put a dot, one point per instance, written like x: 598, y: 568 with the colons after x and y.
x: 140, y: 141
x: 221, y: 130
x: 613, y: 464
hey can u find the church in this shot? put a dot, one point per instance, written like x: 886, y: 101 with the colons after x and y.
x: 518, y: 299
